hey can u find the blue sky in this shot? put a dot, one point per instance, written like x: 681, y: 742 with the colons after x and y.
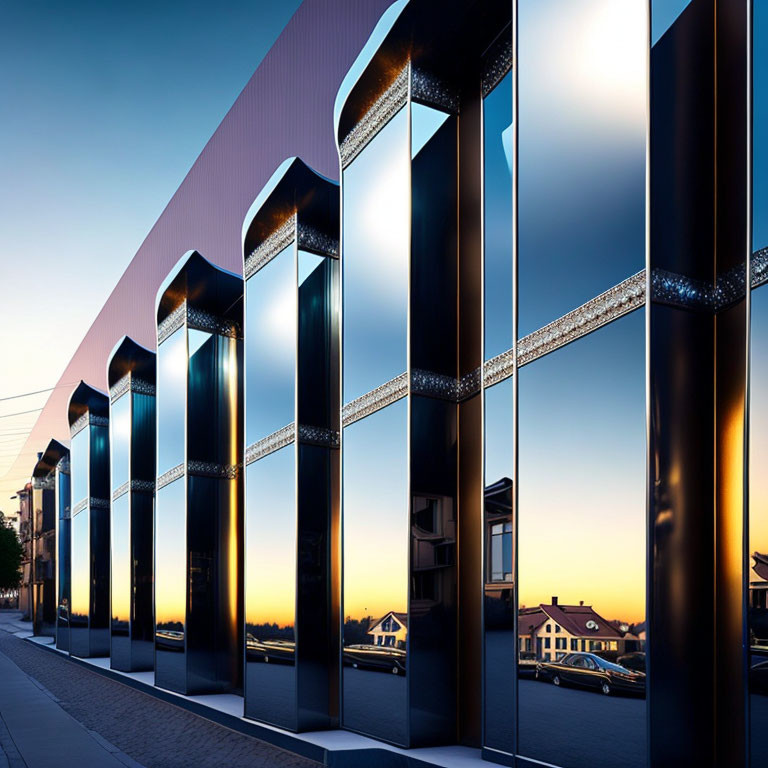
x: 105, y: 107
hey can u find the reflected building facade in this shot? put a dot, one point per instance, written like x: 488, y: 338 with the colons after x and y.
x: 131, y: 380
x: 89, y: 525
x: 292, y: 446
x: 198, y: 518
x: 63, y: 546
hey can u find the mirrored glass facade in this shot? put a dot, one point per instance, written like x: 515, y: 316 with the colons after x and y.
x: 63, y: 552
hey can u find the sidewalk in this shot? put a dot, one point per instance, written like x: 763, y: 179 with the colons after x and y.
x: 54, y: 712
x: 36, y: 732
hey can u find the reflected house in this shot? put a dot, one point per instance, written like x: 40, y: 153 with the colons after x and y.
x: 549, y: 631
x: 89, y: 486
x: 26, y: 534
x: 63, y: 543
x: 390, y: 631
x: 45, y: 539
x: 198, y: 507
x: 131, y: 381
x: 290, y: 251
x: 758, y: 602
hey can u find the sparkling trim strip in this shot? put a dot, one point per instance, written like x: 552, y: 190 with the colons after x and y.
x: 121, y: 490
x: 498, y: 368
x: 172, y: 323
x: 383, y: 110
x: 204, y: 321
x: 63, y: 465
x: 129, y: 383
x: 759, y: 267
x: 681, y: 291
x: 434, y: 385
x: 86, y: 420
x: 312, y: 239
x: 47, y: 483
x: 91, y: 502
x: 280, y: 239
x: 209, y: 469
x: 497, y: 63
x: 135, y: 486
x: 375, y: 400
x: 168, y: 477
x: 428, y: 89
x: 270, y: 443
x: 318, y: 436
x: 623, y: 298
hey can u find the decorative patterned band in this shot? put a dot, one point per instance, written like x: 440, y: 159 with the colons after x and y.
x: 92, y: 503
x: 383, y: 109
x: 328, y: 438
x: 209, y: 469
x: 497, y: 63
x: 47, y: 483
x: 129, y: 383
x: 280, y: 239
x: 759, y: 267
x: 429, y: 90
x: 168, y: 477
x: 63, y: 465
x: 375, y: 400
x: 172, y: 322
x: 86, y: 420
x: 135, y: 486
x: 312, y: 239
x: 271, y: 443
x: 198, y: 319
x: 615, y: 302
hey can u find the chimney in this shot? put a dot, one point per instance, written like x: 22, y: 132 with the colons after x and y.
x: 554, y: 599
x: 581, y: 602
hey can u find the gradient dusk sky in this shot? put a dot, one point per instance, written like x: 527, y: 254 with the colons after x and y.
x: 106, y: 106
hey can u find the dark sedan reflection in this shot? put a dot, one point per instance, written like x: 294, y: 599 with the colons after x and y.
x: 276, y: 650
x: 375, y: 657
x: 169, y: 639
x: 591, y: 671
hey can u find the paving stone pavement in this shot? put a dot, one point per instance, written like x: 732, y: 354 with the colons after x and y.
x: 154, y: 733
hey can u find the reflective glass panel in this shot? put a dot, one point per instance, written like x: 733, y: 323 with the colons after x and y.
x: 63, y: 554
x: 582, y: 551
x: 759, y: 125
x: 171, y: 400
x: 271, y: 588
x: 376, y: 573
x: 582, y: 143
x: 376, y: 203
x: 120, y: 445
x: 121, y: 564
x: 499, y: 576
x: 271, y: 317
x: 758, y: 526
x: 80, y: 454
x: 497, y: 175
x: 81, y: 569
x: 170, y: 565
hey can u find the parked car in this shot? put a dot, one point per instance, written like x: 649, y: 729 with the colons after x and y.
x: 376, y: 657
x: 588, y: 670
x: 634, y: 661
x: 527, y: 664
x: 278, y: 651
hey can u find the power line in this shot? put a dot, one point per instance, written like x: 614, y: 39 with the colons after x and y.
x: 19, y: 413
x: 37, y: 392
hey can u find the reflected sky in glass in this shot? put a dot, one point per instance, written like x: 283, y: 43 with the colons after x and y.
x: 271, y: 540
x: 170, y: 556
x: 760, y: 125
x: 376, y: 513
x: 81, y: 562
x: 582, y: 473
x: 497, y: 120
x: 758, y: 429
x: 499, y: 455
x: 376, y: 243
x: 120, y: 440
x: 582, y: 102
x: 80, y: 452
x: 121, y: 557
x: 270, y: 339
x: 171, y: 400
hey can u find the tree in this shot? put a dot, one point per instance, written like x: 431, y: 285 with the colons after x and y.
x: 10, y: 556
